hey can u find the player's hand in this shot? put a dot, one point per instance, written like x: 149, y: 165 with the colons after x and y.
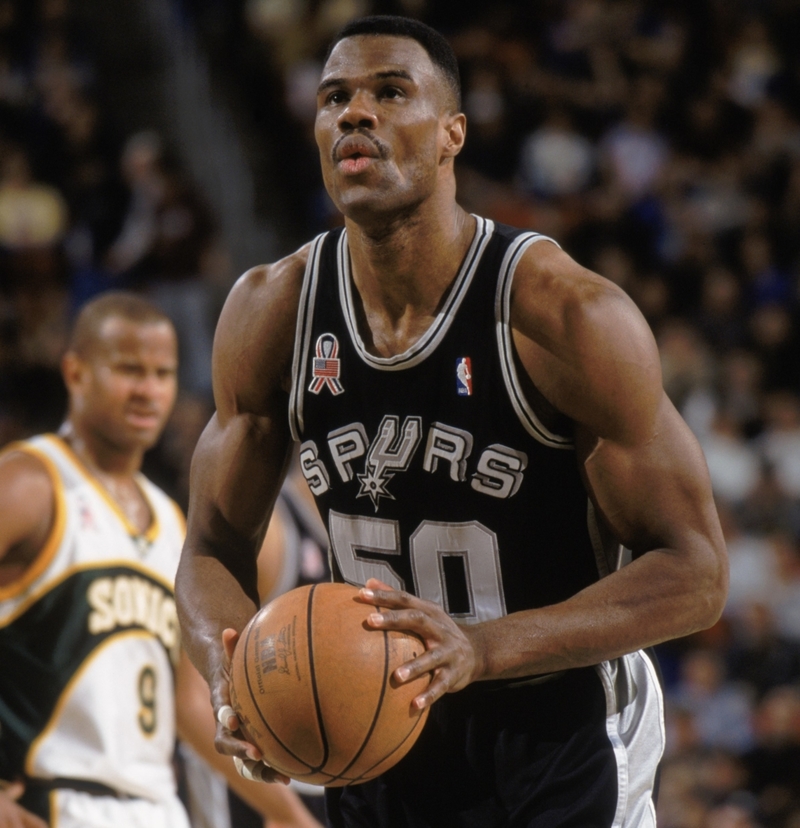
x: 229, y: 739
x: 13, y: 815
x: 451, y: 654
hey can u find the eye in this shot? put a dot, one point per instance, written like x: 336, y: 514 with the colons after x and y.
x: 336, y: 97
x: 391, y: 92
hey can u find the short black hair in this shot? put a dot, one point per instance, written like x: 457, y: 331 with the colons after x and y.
x: 439, y: 50
x: 131, y: 307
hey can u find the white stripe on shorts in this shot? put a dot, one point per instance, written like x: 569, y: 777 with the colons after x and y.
x: 635, y: 727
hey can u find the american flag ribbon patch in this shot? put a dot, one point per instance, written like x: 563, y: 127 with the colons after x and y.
x: 325, y: 366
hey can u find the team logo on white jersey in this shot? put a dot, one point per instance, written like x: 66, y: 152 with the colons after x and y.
x: 464, y: 377
x: 326, y: 366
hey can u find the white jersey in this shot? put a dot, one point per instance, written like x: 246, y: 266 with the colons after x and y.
x: 89, y: 641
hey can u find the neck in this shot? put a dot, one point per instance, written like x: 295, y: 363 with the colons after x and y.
x: 101, y: 456
x: 408, y: 263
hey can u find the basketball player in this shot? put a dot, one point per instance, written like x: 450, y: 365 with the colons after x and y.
x: 93, y: 679
x: 483, y: 424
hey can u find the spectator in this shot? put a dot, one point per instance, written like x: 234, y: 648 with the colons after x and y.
x: 556, y: 160
x: 633, y: 152
x: 720, y: 710
x: 773, y: 763
x: 780, y: 441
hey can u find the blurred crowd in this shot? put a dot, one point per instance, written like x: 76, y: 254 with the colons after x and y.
x: 84, y: 209
x: 658, y: 142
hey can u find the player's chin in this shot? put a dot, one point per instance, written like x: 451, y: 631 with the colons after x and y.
x: 142, y: 437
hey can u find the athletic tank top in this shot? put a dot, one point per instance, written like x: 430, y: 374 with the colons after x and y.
x: 431, y: 469
x: 89, y: 640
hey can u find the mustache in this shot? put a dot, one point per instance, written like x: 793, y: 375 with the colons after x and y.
x: 380, y: 146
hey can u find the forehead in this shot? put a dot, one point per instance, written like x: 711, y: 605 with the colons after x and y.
x: 118, y: 336
x: 375, y: 54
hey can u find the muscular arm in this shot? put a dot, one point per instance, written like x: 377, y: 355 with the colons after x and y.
x: 585, y: 347
x: 238, y: 467
x: 592, y: 355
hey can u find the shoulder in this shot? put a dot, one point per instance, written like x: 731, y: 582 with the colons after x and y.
x: 23, y: 473
x: 585, y: 344
x: 255, y: 334
x: 27, y: 494
x: 257, y: 289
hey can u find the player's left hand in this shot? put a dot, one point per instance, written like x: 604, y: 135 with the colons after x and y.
x: 230, y: 739
x: 452, y: 653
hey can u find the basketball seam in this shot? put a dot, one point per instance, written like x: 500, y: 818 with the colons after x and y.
x: 377, y: 713
x: 364, y: 776
x: 258, y: 709
x: 314, y: 690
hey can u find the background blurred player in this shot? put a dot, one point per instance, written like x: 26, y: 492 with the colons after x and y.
x: 538, y: 524
x: 94, y: 682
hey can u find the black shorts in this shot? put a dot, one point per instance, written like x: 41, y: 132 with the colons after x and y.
x: 579, y: 750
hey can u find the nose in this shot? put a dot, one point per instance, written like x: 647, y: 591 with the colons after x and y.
x: 148, y: 386
x: 358, y: 114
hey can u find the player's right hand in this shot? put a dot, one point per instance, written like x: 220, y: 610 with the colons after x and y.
x: 13, y: 815
x: 229, y: 739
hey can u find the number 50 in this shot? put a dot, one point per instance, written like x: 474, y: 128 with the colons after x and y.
x: 354, y: 538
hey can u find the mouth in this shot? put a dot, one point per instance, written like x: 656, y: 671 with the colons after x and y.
x: 143, y: 419
x: 354, y: 153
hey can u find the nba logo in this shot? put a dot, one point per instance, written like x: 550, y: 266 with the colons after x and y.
x: 464, y: 377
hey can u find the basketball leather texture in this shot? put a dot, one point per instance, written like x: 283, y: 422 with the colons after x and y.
x: 312, y: 685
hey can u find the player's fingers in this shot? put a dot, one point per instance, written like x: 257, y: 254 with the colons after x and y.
x: 375, y: 583
x: 228, y: 718
x: 229, y: 639
x: 258, y: 771
x: 12, y: 815
x: 435, y: 690
x: 13, y: 790
x: 429, y: 661
x: 390, y: 597
x: 232, y: 745
x: 416, y: 620
x: 30, y: 820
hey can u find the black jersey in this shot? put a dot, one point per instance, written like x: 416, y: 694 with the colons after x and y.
x: 431, y: 469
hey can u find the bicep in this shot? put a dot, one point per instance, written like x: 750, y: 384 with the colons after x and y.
x: 241, y: 457
x: 236, y: 475
x: 655, y: 493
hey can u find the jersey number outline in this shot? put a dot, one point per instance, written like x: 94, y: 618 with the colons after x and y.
x: 147, y: 718
x: 354, y: 537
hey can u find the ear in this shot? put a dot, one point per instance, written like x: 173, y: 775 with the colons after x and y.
x: 73, y: 370
x: 455, y: 131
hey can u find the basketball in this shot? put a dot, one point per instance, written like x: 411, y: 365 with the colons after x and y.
x: 312, y: 686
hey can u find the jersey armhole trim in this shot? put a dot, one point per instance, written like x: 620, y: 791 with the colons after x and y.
x: 505, y: 344
x: 56, y: 533
x: 302, y: 338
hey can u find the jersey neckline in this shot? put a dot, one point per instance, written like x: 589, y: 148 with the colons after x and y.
x: 437, y: 330
x: 151, y: 532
